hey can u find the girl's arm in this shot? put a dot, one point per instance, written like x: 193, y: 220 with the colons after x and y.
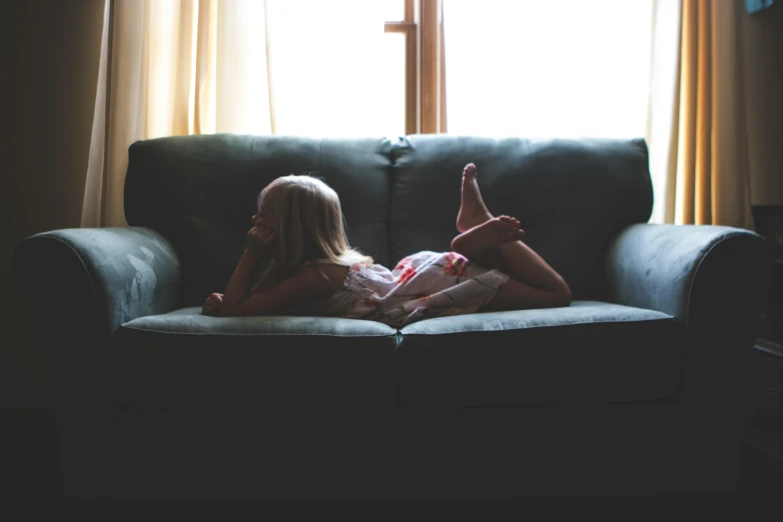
x: 259, y: 242
x: 238, y: 288
x: 304, y: 286
x: 265, y: 282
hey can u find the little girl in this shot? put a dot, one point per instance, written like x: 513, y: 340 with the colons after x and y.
x: 314, y: 271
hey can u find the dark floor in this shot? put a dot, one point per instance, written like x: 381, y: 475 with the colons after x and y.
x: 29, y: 467
x: 762, y: 469
x: 32, y: 472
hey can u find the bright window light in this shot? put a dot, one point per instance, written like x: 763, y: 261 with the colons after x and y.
x: 540, y: 68
x: 334, y: 70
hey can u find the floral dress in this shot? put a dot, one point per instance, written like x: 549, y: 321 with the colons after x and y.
x: 421, y: 286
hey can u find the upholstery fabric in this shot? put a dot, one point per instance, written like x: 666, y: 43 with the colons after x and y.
x: 183, y: 357
x: 590, y: 351
x: 564, y: 192
x: 714, y: 280
x: 190, y: 321
x: 399, y: 197
x: 125, y: 272
x: 200, y: 191
x: 209, y: 250
x: 655, y: 266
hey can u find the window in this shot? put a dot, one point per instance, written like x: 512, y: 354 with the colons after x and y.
x: 565, y: 68
x: 361, y: 93
x: 421, y: 24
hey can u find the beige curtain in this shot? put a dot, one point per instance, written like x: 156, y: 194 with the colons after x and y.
x: 696, y: 122
x: 173, y: 67
x: 178, y: 67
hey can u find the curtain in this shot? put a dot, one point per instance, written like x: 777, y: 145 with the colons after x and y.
x: 696, y: 122
x: 663, y: 107
x: 178, y: 67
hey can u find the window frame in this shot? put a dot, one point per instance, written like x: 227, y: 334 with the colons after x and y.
x: 425, y: 89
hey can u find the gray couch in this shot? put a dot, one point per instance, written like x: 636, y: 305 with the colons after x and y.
x: 636, y: 388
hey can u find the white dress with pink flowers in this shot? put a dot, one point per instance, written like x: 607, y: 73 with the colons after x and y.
x: 421, y: 286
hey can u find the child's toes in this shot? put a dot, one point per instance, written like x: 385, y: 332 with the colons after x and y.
x: 518, y: 235
x: 509, y: 223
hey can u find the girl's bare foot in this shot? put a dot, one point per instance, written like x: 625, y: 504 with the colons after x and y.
x: 473, y: 211
x: 487, y: 235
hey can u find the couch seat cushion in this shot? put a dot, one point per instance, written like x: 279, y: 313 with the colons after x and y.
x: 589, y: 351
x: 184, y: 357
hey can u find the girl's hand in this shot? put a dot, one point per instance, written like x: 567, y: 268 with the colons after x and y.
x: 260, y: 240
x: 212, y: 305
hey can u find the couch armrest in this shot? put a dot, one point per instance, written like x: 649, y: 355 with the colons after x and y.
x: 712, y: 278
x: 97, y: 278
x: 689, y: 271
x: 80, y: 285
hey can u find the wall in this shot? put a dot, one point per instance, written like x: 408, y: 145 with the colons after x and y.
x: 50, y: 53
x: 763, y: 61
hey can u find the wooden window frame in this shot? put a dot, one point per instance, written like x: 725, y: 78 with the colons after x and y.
x: 425, y: 93
x: 409, y: 28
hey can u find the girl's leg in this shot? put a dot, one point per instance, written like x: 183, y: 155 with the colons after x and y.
x: 473, y: 212
x: 489, y: 259
x: 536, y: 283
x: 490, y: 237
x: 515, y: 295
x: 501, y: 236
x: 523, y: 264
x: 487, y: 236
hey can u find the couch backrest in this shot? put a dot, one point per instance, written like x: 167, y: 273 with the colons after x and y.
x: 399, y: 196
x: 200, y: 192
x: 571, y: 196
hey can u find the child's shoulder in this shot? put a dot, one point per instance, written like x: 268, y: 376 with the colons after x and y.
x: 324, y: 271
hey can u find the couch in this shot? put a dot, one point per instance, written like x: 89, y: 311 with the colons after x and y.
x: 636, y: 388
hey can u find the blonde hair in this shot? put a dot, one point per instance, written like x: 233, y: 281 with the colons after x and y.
x: 310, y: 224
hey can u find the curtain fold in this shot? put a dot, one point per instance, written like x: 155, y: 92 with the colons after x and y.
x: 178, y: 67
x: 203, y: 119
x: 663, y: 107
x: 92, y: 207
x: 696, y: 123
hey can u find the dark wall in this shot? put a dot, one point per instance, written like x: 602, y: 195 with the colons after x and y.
x: 50, y: 54
x: 763, y: 62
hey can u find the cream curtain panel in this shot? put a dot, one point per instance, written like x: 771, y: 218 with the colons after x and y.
x: 178, y: 67
x: 696, y: 127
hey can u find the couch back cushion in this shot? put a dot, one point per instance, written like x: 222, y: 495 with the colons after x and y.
x: 200, y: 192
x: 571, y: 196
